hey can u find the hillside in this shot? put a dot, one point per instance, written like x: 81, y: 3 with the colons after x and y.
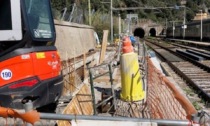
x: 78, y: 11
x: 157, y: 15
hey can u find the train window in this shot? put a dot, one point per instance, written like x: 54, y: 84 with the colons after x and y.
x: 10, y: 21
x: 39, y: 18
x: 5, y: 13
x: 205, y: 28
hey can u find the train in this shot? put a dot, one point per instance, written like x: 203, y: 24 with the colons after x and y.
x: 192, y: 31
x: 30, y: 65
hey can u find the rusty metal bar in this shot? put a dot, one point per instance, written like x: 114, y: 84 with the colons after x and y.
x: 100, y: 75
x: 99, y: 104
x: 92, y: 92
x: 97, y: 66
x: 111, y: 80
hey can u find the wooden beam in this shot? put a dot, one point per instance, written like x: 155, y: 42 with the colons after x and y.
x: 104, y: 45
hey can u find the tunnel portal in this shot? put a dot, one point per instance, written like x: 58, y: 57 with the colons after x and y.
x: 152, y: 32
x: 139, y: 32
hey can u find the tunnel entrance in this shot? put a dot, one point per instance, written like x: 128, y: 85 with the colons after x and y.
x: 152, y: 32
x: 139, y: 32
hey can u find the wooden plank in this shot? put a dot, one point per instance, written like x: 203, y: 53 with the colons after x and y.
x: 81, y: 104
x: 104, y: 45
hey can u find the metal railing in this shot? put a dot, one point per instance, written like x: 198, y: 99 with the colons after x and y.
x: 92, y: 85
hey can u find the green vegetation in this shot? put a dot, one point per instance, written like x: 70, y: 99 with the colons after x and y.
x: 196, y: 105
x: 189, y: 91
x: 101, y: 11
x: 158, y: 14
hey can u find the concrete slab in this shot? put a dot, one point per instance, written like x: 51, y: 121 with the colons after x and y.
x: 73, y: 40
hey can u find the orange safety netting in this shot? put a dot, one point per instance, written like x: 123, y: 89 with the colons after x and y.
x: 30, y: 117
x: 164, y: 100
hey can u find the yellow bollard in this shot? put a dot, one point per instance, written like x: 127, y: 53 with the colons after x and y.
x: 132, y: 87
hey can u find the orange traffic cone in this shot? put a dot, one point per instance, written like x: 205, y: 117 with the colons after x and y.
x: 127, y: 46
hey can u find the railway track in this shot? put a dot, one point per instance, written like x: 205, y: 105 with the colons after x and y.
x: 189, y: 47
x: 195, y: 73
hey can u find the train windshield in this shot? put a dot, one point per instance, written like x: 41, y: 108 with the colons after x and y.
x: 39, y: 17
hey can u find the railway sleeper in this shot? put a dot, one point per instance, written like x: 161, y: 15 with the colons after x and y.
x: 183, y: 63
x: 206, y: 56
x: 198, y: 76
x: 194, y: 72
x: 192, y: 56
x: 190, y: 68
x: 204, y: 86
x: 207, y: 90
x: 199, y: 79
x: 202, y: 82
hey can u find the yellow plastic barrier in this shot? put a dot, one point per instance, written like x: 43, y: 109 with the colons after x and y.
x: 132, y: 87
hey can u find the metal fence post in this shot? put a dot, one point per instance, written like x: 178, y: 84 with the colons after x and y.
x: 28, y: 107
x: 111, y: 81
x: 92, y: 91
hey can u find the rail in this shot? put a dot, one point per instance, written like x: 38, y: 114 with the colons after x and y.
x: 191, y: 42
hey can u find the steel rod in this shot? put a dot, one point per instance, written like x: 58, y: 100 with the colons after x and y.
x: 92, y: 92
x: 110, y: 118
x: 100, y: 75
x: 98, y: 66
x: 99, y: 104
x: 112, y: 86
